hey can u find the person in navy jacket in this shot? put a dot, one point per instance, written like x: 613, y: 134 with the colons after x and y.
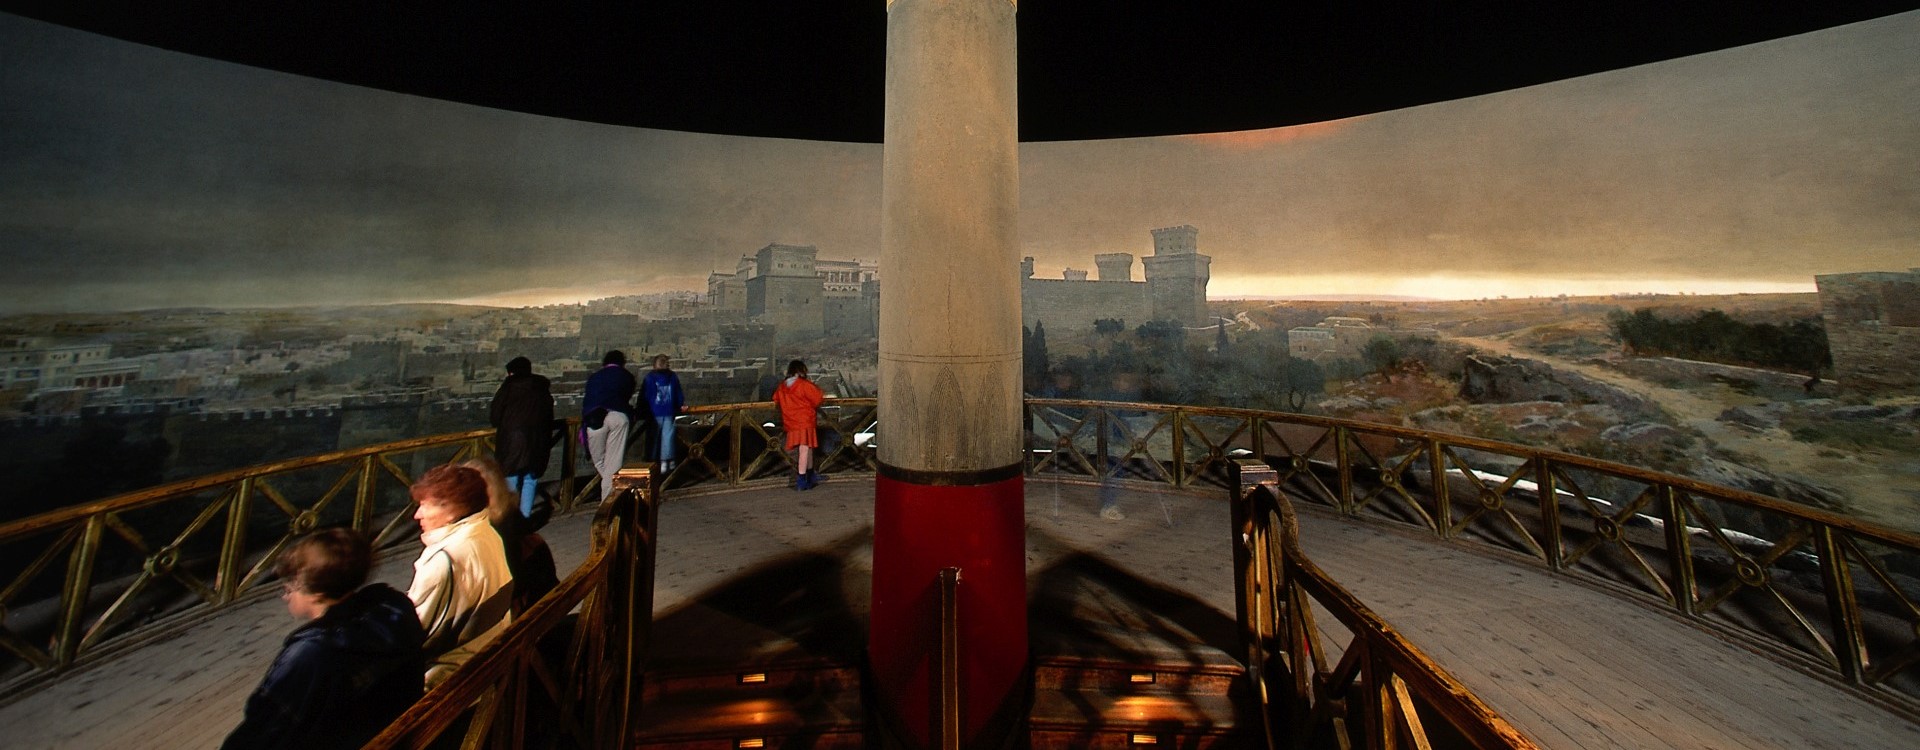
x: 606, y: 410
x: 351, y: 669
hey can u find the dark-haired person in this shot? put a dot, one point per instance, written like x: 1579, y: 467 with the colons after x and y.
x: 462, y: 587
x: 351, y: 668
x: 799, y: 401
x: 522, y: 418
x: 606, y: 410
x: 529, y: 558
x: 664, y: 399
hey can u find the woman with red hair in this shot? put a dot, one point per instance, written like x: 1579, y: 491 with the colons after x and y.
x: 462, y: 588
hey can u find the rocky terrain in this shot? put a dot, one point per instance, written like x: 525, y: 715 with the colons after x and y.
x: 1758, y: 431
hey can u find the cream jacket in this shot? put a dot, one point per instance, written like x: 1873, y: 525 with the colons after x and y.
x: 462, y: 592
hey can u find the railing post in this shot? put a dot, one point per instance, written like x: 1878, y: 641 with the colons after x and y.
x: 363, y: 496
x: 946, y: 694
x: 1344, y: 461
x: 1100, y: 444
x: 1375, y: 676
x: 1250, y: 475
x: 1179, y: 447
x: 637, y: 609
x: 1442, y: 492
x: 1253, y: 584
x: 1679, y: 549
x: 233, y: 546
x: 1549, y: 501
x: 1843, y: 607
x: 73, y: 601
x: 739, y: 419
x: 569, y: 458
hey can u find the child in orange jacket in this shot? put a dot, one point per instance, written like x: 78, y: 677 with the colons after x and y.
x: 799, y: 399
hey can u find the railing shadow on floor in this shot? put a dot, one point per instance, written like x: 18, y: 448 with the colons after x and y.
x: 1830, y: 594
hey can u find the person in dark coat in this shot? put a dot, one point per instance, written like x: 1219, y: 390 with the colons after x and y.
x: 522, y: 414
x: 349, y: 671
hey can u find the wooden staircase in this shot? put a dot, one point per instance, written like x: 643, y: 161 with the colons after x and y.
x: 1122, y: 664
x: 790, y: 703
x: 772, y: 661
x: 1081, y: 703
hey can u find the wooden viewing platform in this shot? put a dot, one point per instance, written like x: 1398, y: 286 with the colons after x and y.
x: 1570, y: 666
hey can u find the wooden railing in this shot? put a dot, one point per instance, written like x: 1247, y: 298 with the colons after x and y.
x: 736, y: 443
x: 1831, y: 593
x: 88, y: 581
x: 564, y: 673
x: 1374, y: 695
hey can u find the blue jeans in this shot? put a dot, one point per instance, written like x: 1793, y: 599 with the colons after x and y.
x: 666, y: 439
x: 525, y: 484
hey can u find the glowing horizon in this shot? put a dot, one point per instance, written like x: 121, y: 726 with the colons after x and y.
x: 1434, y: 287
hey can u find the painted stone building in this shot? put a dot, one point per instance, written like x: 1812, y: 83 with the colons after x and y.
x: 785, y: 288
x: 1175, y: 287
x: 728, y: 291
x: 38, y: 363
x: 1873, y: 329
x: 1344, y: 338
x: 791, y: 287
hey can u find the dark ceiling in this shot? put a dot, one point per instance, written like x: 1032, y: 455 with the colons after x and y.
x: 814, y: 68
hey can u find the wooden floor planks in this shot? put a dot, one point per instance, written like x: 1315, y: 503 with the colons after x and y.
x: 1573, y: 667
x: 1569, y: 664
x: 189, y: 691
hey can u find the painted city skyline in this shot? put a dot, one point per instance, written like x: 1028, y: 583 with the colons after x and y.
x: 136, y: 178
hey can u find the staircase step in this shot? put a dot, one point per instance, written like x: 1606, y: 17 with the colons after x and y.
x: 787, y: 676
x: 723, y: 719
x: 1092, y: 719
x: 1134, y: 676
x: 791, y: 700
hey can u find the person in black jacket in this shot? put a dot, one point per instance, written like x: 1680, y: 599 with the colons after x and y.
x: 522, y: 415
x: 349, y: 671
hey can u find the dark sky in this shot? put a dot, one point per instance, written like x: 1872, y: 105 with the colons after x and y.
x: 132, y: 177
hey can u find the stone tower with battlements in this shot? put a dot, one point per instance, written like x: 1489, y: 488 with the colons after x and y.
x: 1177, y: 275
x: 1114, y: 266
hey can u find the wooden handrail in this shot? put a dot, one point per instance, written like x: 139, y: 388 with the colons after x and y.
x: 589, y: 696
x: 1394, y: 671
x: 1673, y: 550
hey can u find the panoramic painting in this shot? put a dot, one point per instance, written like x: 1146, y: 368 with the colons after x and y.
x: 1708, y: 267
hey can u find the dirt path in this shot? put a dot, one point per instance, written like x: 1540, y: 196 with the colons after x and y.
x: 1879, y: 488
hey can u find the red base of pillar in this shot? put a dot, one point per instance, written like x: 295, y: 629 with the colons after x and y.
x: 917, y: 531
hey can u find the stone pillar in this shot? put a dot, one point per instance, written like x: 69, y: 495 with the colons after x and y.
x: 950, y: 488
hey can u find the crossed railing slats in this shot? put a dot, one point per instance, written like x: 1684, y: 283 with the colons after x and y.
x: 87, y: 582
x: 1833, y: 593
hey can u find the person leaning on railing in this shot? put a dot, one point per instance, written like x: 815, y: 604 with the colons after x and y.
x: 462, y: 588
x: 522, y: 416
x: 799, y: 401
x: 351, y: 669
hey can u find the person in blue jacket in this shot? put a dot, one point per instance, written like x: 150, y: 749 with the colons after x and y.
x: 352, y: 668
x: 661, y: 394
